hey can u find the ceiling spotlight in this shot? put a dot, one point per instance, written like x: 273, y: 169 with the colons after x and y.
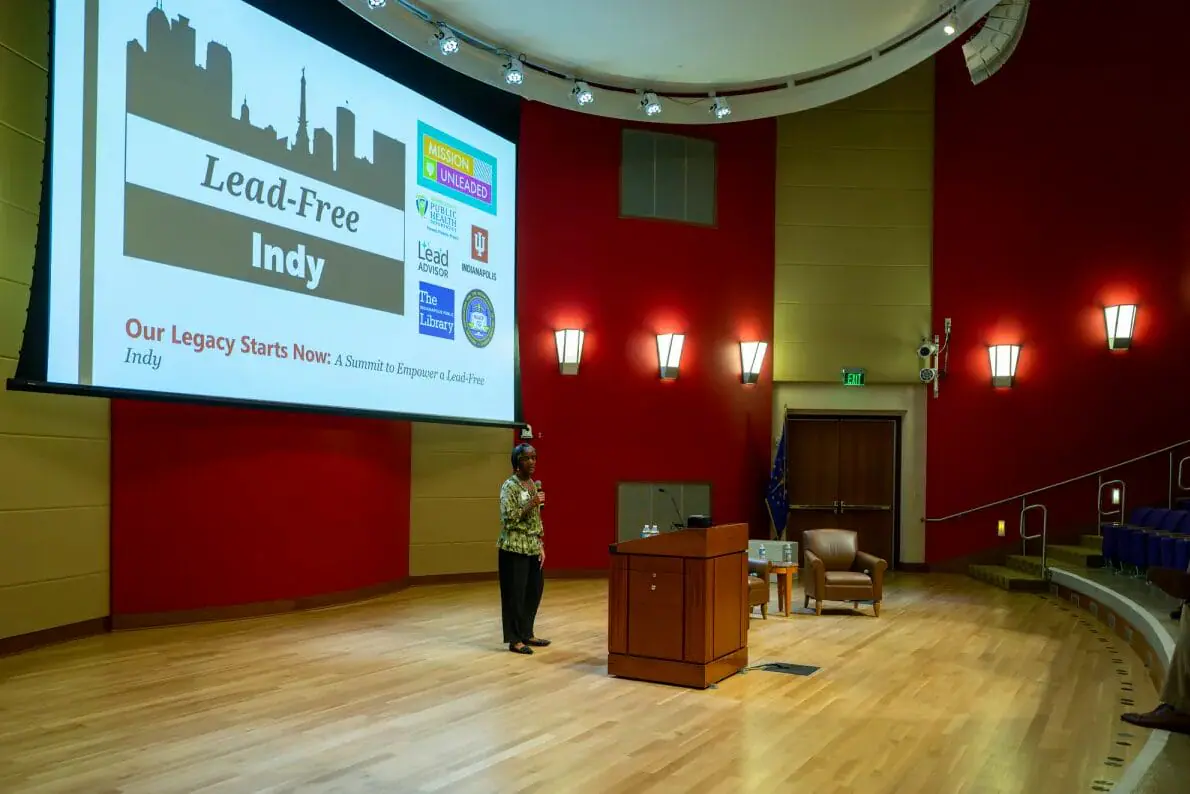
x: 951, y: 26
x: 582, y: 93
x: 448, y: 42
x: 376, y: 3
x: 650, y: 104
x: 720, y: 109
x: 513, y: 75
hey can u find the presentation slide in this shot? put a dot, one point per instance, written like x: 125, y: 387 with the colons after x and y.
x: 239, y: 211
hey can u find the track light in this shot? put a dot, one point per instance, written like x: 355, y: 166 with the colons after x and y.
x: 513, y: 74
x: 650, y: 104
x: 582, y: 93
x: 448, y: 42
x: 376, y: 3
x: 951, y: 25
x: 720, y: 109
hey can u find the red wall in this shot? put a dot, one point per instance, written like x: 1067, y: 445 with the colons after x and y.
x: 215, y: 507
x: 1058, y: 188
x: 624, y: 280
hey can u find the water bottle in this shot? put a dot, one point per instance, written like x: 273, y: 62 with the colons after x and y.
x: 788, y: 553
x: 644, y: 531
x: 764, y: 555
x: 653, y: 531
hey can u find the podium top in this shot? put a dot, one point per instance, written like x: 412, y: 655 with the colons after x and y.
x: 697, y: 543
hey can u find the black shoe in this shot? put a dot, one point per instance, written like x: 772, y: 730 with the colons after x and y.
x: 537, y: 642
x: 525, y: 649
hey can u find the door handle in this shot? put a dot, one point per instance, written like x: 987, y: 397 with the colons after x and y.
x: 831, y: 507
x: 845, y: 506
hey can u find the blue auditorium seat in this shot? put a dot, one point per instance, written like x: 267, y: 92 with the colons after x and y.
x: 1172, y: 520
x: 1181, y: 554
x: 1183, y: 503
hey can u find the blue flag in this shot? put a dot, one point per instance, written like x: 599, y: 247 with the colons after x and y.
x: 776, y: 496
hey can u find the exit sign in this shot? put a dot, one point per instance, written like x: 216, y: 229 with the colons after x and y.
x: 854, y: 376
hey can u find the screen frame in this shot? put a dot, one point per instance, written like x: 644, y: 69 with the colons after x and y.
x: 337, y: 27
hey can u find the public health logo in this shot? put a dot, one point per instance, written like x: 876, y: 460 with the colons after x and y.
x: 440, y: 217
x: 448, y: 166
x: 479, y: 318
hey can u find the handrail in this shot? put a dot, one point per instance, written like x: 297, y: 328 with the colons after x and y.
x: 1095, y: 473
x: 1181, y: 467
x: 1025, y: 508
x: 1121, y: 511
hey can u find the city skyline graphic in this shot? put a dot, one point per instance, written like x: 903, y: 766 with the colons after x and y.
x: 166, y: 85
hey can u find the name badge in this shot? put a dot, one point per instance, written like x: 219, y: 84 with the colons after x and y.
x: 524, y: 496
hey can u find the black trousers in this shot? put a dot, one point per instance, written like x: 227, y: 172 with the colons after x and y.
x: 521, y: 584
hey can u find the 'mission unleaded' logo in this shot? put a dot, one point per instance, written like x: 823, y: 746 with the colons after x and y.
x: 452, y: 168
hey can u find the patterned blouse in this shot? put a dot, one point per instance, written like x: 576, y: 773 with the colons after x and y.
x: 522, y: 535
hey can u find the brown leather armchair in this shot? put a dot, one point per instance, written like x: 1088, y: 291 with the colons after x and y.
x: 836, y: 570
x: 758, y: 586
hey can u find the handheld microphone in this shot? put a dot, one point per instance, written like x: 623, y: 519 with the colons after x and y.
x: 537, y: 485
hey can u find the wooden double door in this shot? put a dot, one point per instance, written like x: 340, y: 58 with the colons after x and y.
x: 843, y: 473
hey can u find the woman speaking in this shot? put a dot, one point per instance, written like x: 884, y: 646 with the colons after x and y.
x: 522, y: 551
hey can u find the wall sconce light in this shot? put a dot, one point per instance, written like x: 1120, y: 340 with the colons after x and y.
x: 1115, y: 497
x: 669, y: 354
x: 1000, y: 528
x: 1120, y: 321
x: 569, y: 342
x: 751, y: 360
x: 1003, y: 359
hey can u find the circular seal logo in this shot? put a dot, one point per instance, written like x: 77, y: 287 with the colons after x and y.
x: 479, y: 318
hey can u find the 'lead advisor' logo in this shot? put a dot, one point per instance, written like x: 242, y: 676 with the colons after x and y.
x: 454, y: 169
x: 479, y: 318
x: 435, y: 310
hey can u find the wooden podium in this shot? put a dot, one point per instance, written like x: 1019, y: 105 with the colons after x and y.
x: 678, y: 606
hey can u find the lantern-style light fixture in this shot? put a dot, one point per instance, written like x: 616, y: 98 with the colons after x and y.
x: 1003, y: 359
x: 669, y: 354
x: 751, y: 360
x: 1120, y: 321
x: 569, y: 342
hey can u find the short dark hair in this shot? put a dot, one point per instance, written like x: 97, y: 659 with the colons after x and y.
x: 517, y: 452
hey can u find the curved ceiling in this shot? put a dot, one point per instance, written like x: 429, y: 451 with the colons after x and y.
x: 768, y: 57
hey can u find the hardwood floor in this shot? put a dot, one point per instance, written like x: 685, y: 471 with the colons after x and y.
x: 957, y: 687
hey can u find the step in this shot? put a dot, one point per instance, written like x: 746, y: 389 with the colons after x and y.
x: 1076, y: 555
x: 1024, y: 564
x: 1093, y: 542
x: 1007, y: 579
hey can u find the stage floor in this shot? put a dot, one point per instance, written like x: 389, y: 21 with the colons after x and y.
x: 957, y: 687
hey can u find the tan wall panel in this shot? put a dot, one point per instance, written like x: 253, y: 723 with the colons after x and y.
x: 29, y: 414
x: 26, y: 608
x: 912, y: 90
x: 454, y: 514
x: 14, y: 303
x: 42, y: 472
x: 24, y: 110
x: 457, y: 519
x: 892, y: 169
x: 25, y: 29
x: 18, y: 236
x: 440, y: 559
x: 41, y: 545
x: 844, y: 245
x: 854, y: 234
x: 20, y: 167
x: 837, y: 128
x: 446, y: 474
x: 867, y: 286
x: 54, y: 451
x: 833, y: 206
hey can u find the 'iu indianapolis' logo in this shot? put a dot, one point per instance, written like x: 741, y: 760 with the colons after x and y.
x: 479, y: 318
x: 479, y: 244
x: 423, y: 205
